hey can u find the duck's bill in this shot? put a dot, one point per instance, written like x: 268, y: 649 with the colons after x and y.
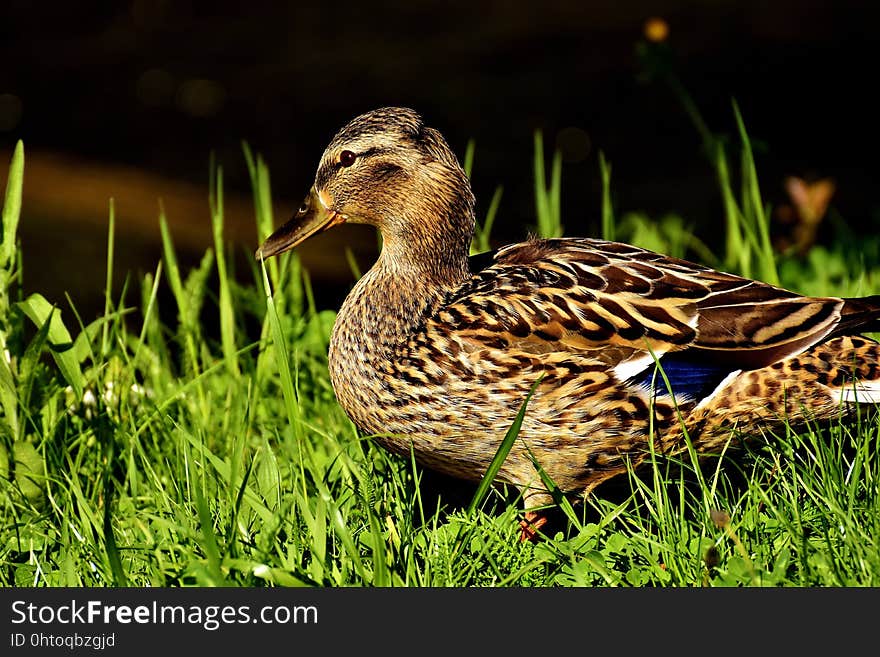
x: 312, y: 218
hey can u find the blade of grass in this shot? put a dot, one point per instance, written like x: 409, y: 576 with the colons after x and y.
x: 236, y: 506
x: 108, y: 286
x: 555, y: 200
x: 291, y: 401
x: 209, y: 538
x: 12, y: 208
x: 265, y: 220
x: 558, y: 496
x: 177, y: 288
x: 752, y: 193
x: 28, y: 365
x: 469, y: 157
x: 119, y: 576
x: 607, y: 208
x: 227, y: 316
x: 547, y: 199
x: 352, y: 264
x: 149, y: 313
x: 8, y: 273
x: 501, y: 453
x: 542, y: 206
x: 482, y: 232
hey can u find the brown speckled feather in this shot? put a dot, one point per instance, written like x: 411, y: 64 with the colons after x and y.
x: 591, y: 292
x: 432, y: 355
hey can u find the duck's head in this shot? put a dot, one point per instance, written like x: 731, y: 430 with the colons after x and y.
x: 387, y: 169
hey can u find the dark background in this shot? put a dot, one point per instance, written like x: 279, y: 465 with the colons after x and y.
x: 129, y: 99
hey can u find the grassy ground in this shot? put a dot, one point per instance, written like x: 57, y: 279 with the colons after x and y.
x: 142, y: 452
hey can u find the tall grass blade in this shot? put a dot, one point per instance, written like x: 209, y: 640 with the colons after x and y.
x: 115, y: 561
x: 558, y: 496
x: 542, y: 207
x: 150, y: 319
x: 353, y: 264
x: 736, y: 256
x: 501, y: 454
x: 468, y: 165
x: 554, y: 228
x: 265, y: 216
x: 108, y: 285
x: 12, y: 208
x: 8, y: 272
x: 481, y: 242
x: 29, y: 365
x: 227, y: 315
x: 209, y: 538
x: 188, y: 303
x: 291, y: 399
x: 752, y: 199
x: 239, y: 498
x: 547, y: 199
x: 608, y: 231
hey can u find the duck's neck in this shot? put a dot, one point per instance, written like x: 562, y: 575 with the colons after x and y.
x: 393, y: 299
x: 418, y: 266
x: 373, y: 328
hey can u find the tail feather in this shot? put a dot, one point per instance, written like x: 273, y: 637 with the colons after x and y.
x: 859, y: 315
x: 861, y: 392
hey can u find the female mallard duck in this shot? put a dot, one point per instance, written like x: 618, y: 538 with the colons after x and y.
x: 436, y: 352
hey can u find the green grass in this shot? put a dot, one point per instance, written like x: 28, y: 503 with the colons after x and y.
x: 141, y: 452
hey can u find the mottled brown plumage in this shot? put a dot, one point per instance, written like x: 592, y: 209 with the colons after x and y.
x: 434, y: 353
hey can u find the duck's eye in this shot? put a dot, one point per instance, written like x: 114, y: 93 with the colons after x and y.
x: 347, y: 158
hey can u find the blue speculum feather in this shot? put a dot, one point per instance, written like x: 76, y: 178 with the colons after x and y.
x: 688, y: 377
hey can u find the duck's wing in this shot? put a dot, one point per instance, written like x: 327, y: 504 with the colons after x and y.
x: 625, y: 307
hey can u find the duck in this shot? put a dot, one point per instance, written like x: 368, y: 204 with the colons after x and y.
x: 616, y: 351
